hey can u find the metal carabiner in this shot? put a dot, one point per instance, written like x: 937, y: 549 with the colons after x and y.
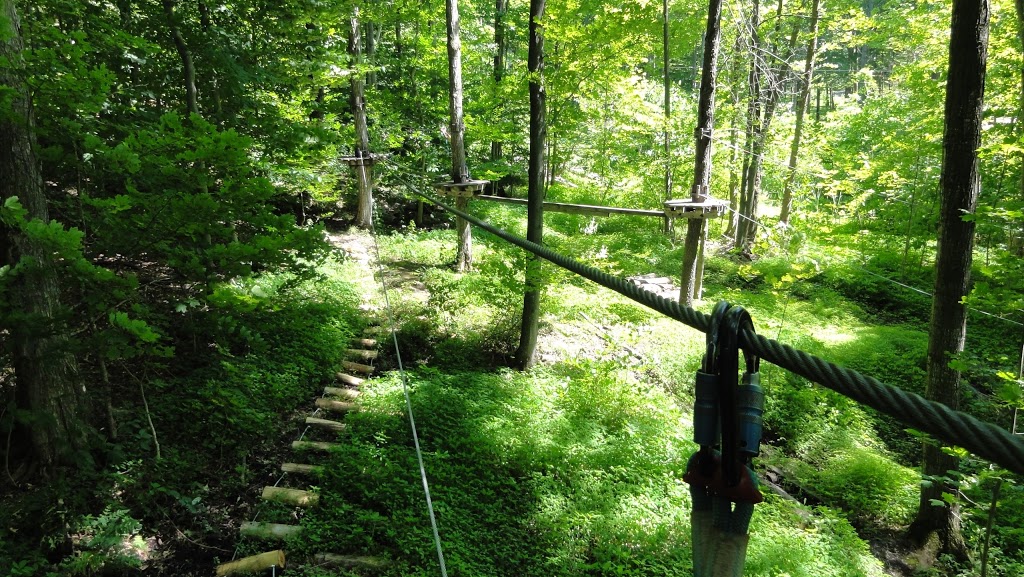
x: 741, y: 406
x: 705, y: 404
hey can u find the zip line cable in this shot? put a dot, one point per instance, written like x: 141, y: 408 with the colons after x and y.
x: 408, y: 400
x: 953, y: 427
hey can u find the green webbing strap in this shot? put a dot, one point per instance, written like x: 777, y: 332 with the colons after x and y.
x: 723, y: 488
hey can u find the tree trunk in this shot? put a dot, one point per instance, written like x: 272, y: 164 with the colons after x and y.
x: 188, y: 68
x: 668, y: 108
x: 364, y: 176
x: 46, y: 373
x: 736, y: 163
x: 460, y: 171
x: 702, y: 163
x: 765, y: 89
x: 801, y: 107
x: 960, y: 182
x: 1016, y: 240
x: 500, y: 50
x: 207, y: 23
x: 371, y: 52
x: 535, y: 202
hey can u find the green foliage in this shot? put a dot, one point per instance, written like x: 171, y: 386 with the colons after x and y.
x: 805, y: 546
x: 550, y: 474
x: 865, y: 484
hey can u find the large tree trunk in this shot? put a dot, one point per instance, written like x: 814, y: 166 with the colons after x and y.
x: 960, y: 183
x: 364, y: 176
x: 801, y: 108
x: 371, y: 52
x: 500, y: 50
x: 188, y: 68
x: 460, y: 171
x: 736, y: 163
x: 535, y: 201
x: 46, y: 373
x: 667, y: 68
x: 702, y: 163
x: 1016, y: 240
x: 765, y: 89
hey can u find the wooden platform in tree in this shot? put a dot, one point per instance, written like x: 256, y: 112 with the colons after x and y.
x: 468, y: 189
x: 687, y: 208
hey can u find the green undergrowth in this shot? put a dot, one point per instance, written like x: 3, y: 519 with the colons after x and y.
x: 173, y: 475
x: 852, y: 466
x: 571, y: 469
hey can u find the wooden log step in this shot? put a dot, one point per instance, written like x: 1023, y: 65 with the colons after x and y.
x: 366, y: 354
x: 314, y: 446
x: 366, y: 343
x: 335, y: 406
x: 295, y: 497
x: 357, y: 367
x: 349, y: 379
x: 341, y: 392
x: 253, y: 564
x: 270, y: 530
x: 302, y: 469
x: 350, y: 561
x: 325, y: 424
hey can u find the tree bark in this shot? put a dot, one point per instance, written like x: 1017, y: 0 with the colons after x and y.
x: 801, y: 108
x: 666, y: 64
x: 188, y: 68
x: 460, y: 171
x: 500, y: 51
x: 765, y: 89
x: 357, y: 100
x: 371, y: 52
x: 702, y: 162
x: 960, y: 183
x: 46, y: 373
x: 1016, y: 240
x: 535, y: 199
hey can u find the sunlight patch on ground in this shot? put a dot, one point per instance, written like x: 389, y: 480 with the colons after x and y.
x: 831, y: 335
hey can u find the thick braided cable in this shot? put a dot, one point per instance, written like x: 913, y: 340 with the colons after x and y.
x: 954, y: 427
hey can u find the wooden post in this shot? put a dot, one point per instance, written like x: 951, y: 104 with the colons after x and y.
x: 314, y: 446
x: 364, y: 210
x: 252, y: 564
x: 270, y: 530
x: 295, y: 497
x: 537, y: 181
x: 335, y: 406
x: 668, y: 110
x: 325, y: 424
x: 698, y: 279
x: 357, y: 367
x: 301, y: 469
x: 350, y: 561
x: 460, y: 171
x: 702, y: 163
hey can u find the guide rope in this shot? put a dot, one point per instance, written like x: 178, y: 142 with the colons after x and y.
x: 408, y: 401
x: 953, y: 427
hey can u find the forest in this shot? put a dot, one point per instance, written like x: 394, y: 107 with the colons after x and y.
x: 244, y: 331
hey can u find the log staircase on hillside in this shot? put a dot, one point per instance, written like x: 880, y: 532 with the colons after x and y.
x: 335, y: 403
